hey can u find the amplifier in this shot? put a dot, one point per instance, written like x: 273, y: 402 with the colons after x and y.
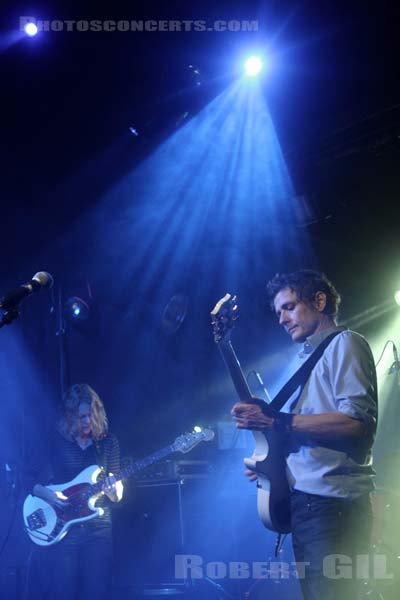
x: 176, y: 470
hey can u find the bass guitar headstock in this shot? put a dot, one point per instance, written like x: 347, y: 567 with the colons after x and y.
x: 223, y: 317
x: 185, y: 443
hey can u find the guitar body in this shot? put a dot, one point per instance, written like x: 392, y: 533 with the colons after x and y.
x: 273, y: 495
x: 46, y: 524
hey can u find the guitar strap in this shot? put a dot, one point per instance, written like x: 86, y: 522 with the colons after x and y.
x: 300, y: 378
x: 100, y: 452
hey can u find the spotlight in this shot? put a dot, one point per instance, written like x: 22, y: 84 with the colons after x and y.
x: 253, y: 66
x: 397, y: 297
x: 31, y: 29
x: 77, y: 309
x: 197, y: 429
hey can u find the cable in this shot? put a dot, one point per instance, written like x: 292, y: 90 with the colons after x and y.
x: 383, y: 351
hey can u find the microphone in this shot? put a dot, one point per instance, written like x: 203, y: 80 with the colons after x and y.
x: 41, y: 280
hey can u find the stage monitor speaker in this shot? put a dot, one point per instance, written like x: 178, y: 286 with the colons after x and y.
x: 148, y: 532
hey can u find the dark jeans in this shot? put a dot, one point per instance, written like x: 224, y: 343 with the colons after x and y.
x: 79, y: 567
x: 321, y: 528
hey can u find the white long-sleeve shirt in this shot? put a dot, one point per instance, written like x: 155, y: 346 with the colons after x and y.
x: 344, y: 380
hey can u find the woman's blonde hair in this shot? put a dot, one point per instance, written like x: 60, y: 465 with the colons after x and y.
x: 82, y: 393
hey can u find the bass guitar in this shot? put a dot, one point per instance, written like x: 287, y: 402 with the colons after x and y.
x: 268, y: 459
x: 47, y: 524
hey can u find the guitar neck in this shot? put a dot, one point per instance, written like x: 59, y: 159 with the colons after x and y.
x: 235, y: 371
x: 135, y: 467
x: 139, y: 465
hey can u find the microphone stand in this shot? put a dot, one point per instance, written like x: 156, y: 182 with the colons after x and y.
x: 223, y: 593
x: 395, y: 368
x: 61, y: 333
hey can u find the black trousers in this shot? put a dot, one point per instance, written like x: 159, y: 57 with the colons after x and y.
x: 79, y: 567
x: 327, y: 535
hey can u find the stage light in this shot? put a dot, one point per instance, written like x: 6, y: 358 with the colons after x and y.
x: 31, y: 29
x: 77, y: 309
x: 397, y: 297
x: 197, y: 429
x: 253, y: 66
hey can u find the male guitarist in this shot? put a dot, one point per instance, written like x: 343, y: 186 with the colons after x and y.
x: 79, y: 566
x: 329, y: 425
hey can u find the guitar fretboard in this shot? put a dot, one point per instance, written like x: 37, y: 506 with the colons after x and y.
x: 235, y: 371
x: 130, y: 470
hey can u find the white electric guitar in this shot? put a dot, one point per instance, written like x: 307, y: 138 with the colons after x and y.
x: 47, y: 524
x: 268, y: 460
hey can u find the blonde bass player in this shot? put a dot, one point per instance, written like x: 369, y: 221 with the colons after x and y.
x: 78, y: 566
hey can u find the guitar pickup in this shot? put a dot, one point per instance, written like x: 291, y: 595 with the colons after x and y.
x: 36, y: 520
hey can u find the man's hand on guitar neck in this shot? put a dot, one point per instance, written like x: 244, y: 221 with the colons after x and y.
x: 256, y: 415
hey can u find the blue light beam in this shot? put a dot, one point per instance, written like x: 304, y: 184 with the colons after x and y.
x: 216, y: 198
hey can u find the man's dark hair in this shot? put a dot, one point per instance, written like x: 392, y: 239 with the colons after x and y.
x: 306, y: 284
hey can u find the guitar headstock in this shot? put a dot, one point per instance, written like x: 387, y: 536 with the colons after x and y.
x: 223, y: 317
x: 185, y: 443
